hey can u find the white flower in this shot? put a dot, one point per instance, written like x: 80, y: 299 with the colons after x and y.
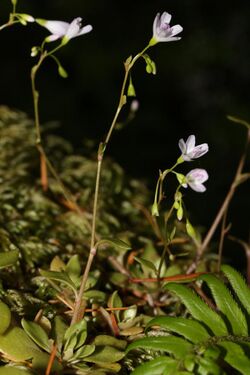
x: 190, y: 151
x: 195, y: 179
x: 162, y: 32
x: 65, y: 30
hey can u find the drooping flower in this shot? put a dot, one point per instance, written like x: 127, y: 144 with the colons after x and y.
x: 190, y: 151
x: 162, y: 31
x: 64, y: 30
x: 195, y: 179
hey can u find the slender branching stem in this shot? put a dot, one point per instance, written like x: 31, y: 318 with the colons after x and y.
x: 222, y: 209
x: 78, y: 313
x: 45, y: 162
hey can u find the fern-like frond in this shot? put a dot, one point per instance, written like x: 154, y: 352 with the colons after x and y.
x: 212, y: 342
x: 239, y: 286
x: 199, y: 309
x: 226, y: 304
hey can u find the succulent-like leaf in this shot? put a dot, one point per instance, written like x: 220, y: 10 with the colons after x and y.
x: 239, y: 286
x: 170, y: 344
x: 9, y: 258
x: 73, y: 267
x: 16, y: 345
x: 62, y: 277
x: 82, y: 352
x: 190, y: 329
x: 37, y: 334
x: 103, y: 340
x: 114, y: 242
x: 146, y: 263
x: 75, y: 335
x: 58, y: 331
x: 5, y: 317
x: 227, y: 305
x: 105, y: 354
x: 199, y: 309
x: 13, y: 370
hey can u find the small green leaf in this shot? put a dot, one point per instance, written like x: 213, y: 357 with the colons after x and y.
x: 57, y: 264
x: 115, y: 301
x: 75, y: 335
x: 58, y: 331
x: 190, y: 329
x: 226, y: 304
x: 13, y: 370
x: 37, y: 334
x: 157, y: 367
x: 239, y: 286
x: 82, y: 352
x: 62, y: 277
x: 9, y: 258
x: 114, y: 242
x: 95, y: 296
x: 199, y: 309
x: 16, y: 345
x: 105, y: 354
x: 5, y: 319
x: 73, y: 268
x: 146, y: 263
x: 106, y: 340
x: 170, y: 344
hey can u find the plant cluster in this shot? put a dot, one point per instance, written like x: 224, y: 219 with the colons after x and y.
x: 92, y: 274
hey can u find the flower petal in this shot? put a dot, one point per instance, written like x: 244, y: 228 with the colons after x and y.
x: 73, y: 28
x: 86, y: 29
x: 190, y: 143
x: 166, y: 17
x: 156, y: 23
x: 176, y: 29
x: 199, y: 188
x: 200, y: 150
x: 56, y: 27
x: 182, y: 145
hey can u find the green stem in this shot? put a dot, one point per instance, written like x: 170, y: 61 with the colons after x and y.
x: 77, y: 312
x: 35, y: 94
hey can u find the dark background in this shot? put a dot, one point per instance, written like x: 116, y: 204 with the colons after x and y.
x: 199, y: 80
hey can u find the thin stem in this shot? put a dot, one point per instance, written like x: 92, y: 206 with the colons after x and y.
x: 222, y: 209
x: 223, y: 232
x: 77, y: 313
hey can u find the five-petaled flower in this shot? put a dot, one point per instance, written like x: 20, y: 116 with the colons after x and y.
x: 190, y: 151
x: 64, y: 30
x: 162, y: 31
x: 195, y: 179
